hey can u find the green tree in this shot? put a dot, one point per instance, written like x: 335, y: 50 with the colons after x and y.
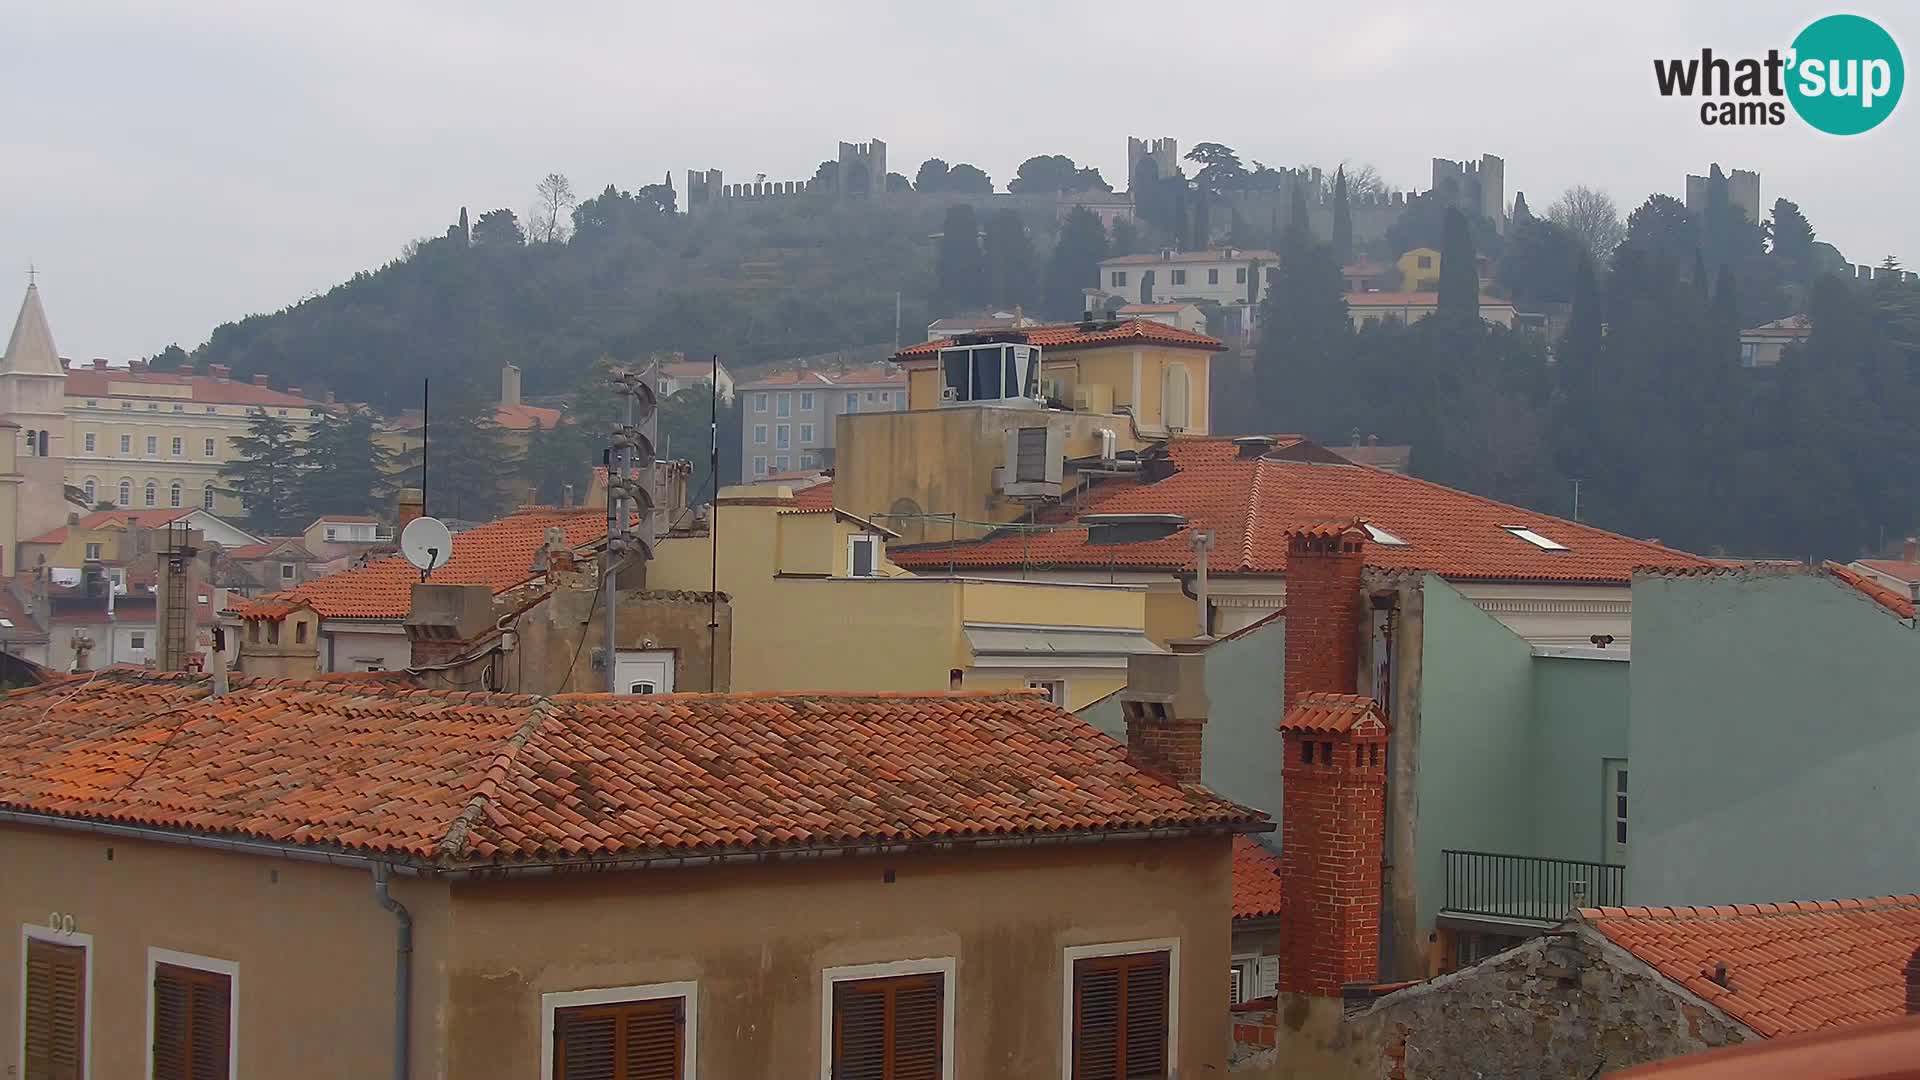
x: 1126, y: 237
x: 1011, y: 276
x: 1049, y: 173
x: 1520, y: 215
x: 965, y: 179
x: 932, y: 177
x: 498, y: 229
x: 1220, y: 168
x: 897, y: 183
x: 1591, y: 217
x: 466, y: 453
x: 1343, y: 220
x: 1459, y: 274
x: 1663, y: 228
x: 960, y: 268
x: 341, y: 467
x: 265, y: 473
x: 1541, y: 262
x: 171, y: 358
x: 1074, y: 265
x: 1305, y: 337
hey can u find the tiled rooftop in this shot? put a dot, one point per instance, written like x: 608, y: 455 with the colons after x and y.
x: 1070, y: 336
x: 458, y: 779
x: 1894, y: 568
x: 1256, y: 879
x: 1790, y: 967
x: 1891, y: 599
x: 1332, y: 713
x: 1207, y: 256
x: 815, y: 497
x: 101, y: 519
x: 1412, y: 299
x: 205, y: 389
x: 1249, y: 502
x: 499, y: 554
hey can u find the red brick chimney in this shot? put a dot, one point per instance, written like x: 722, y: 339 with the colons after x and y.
x: 1333, y: 833
x: 262, y: 380
x: 1323, y: 619
x: 1165, y: 704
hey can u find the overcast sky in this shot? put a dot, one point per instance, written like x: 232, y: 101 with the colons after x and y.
x: 169, y: 166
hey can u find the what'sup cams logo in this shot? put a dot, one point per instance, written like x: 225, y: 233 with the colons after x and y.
x: 1842, y: 75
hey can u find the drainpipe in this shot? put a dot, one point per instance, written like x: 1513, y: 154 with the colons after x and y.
x: 402, y: 970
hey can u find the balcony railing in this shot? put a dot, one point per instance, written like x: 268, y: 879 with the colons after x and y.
x: 1497, y: 886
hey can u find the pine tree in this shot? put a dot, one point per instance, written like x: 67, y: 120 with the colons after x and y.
x: 342, y: 469
x: 265, y: 473
x: 467, y: 456
x: 1459, y: 275
x: 1011, y: 279
x: 1521, y: 215
x: 1343, y: 219
x: 1074, y: 265
x: 960, y: 269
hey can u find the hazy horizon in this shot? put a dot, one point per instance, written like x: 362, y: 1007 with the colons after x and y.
x: 173, y: 169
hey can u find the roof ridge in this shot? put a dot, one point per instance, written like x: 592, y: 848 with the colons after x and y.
x: 454, y: 845
x: 1773, y: 909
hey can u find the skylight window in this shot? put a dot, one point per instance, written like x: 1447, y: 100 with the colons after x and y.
x: 1382, y: 536
x: 1534, y: 538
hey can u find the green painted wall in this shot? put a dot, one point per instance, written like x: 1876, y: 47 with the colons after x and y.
x: 1775, y: 740
x: 1579, y: 721
x: 1241, y: 756
x: 1475, y: 776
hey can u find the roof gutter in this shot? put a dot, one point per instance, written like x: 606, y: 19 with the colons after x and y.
x: 417, y: 869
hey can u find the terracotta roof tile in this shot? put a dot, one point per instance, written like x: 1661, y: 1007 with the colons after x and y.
x: 1791, y: 967
x: 458, y: 779
x: 499, y: 554
x: 1891, y: 599
x: 1250, y: 503
x: 1256, y: 879
x: 1332, y: 713
x: 816, y: 497
x: 1411, y: 299
x: 525, y: 417
x: 1070, y: 336
x: 206, y: 390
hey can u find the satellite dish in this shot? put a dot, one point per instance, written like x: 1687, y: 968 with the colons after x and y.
x: 427, y: 544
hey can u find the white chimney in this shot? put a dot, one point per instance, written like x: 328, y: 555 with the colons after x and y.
x: 509, y: 387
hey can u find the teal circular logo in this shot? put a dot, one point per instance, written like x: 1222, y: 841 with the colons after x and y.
x: 1847, y: 74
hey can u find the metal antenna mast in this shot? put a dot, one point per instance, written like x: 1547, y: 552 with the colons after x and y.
x: 631, y: 449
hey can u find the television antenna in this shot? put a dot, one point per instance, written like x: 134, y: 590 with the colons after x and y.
x: 427, y: 544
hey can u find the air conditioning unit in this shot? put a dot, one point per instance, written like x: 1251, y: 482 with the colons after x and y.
x: 1035, y: 460
x: 948, y: 395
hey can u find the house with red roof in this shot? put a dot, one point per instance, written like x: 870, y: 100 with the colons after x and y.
x: 1612, y: 988
x: 917, y: 870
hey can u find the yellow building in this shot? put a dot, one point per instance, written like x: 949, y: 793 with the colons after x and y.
x: 816, y: 605
x: 1419, y: 270
x: 996, y: 422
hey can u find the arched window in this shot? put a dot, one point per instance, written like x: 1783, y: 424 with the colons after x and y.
x: 88, y: 487
x: 174, y: 493
x: 153, y: 493
x: 1175, y: 403
x: 126, y: 492
x: 206, y: 497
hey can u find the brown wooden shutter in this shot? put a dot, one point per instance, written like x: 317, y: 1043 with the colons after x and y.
x: 889, y: 1029
x: 192, y: 1023
x: 56, y: 1009
x: 630, y: 1040
x: 1120, y: 1017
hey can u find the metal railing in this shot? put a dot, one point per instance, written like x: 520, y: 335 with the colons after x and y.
x: 1498, y: 886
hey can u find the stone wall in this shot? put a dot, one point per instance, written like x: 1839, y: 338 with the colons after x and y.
x: 1568, y: 1004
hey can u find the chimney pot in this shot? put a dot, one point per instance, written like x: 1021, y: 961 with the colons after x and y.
x: 509, y: 387
x: 262, y: 380
x: 1165, y: 703
x: 1910, y: 552
x: 1324, y: 566
x: 220, y: 372
x: 136, y: 366
x: 99, y: 363
x: 408, y: 503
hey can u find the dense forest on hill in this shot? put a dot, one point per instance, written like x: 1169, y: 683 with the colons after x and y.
x: 1639, y: 397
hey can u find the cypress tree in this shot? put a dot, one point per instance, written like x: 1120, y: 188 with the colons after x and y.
x: 960, y: 268
x: 1459, y: 277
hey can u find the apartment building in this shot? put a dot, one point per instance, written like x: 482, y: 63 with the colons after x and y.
x: 360, y: 877
x: 788, y: 420
x: 1226, y: 276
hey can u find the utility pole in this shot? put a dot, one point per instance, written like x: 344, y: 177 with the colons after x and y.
x: 630, y: 448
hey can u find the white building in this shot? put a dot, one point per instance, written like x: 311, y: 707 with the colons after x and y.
x: 1225, y: 276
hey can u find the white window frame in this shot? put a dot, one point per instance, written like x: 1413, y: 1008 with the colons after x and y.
x: 782, y: 463
x: 88, y: 438
x: 759, y: 434
x: 206, y: 497
x: 126, y: 444
x: 206, y: 450
x: 1170, y: 946
x: 760, y: 465
x: 760, y: 401
x: 853, y: 402
x: 942, y: 966
x: 153, y: 446
x: 1544, y: 543
x: 806, y: 402
x: 33, y: 932
x: 806, y: 434
x: 855, y: 541
x: 179, y: 446
x: 1056, y: 688
x: 783, y: 436
x: 618, y: 995
x: 808, y: 461
x: 213, y: 966
x: 783, y: 405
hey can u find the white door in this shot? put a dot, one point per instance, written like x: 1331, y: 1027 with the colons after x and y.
x: 644, y: 671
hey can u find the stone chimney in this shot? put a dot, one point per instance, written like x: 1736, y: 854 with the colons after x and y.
x: 1333, y: 838
x: 509, y: 386
x: 1323, y: 614
x: 447, y: 621
x: 1165, y: 703
x: 136, y: 366
x: 1911, y: 551
x: 408, y: 503
x: 220, y: 372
